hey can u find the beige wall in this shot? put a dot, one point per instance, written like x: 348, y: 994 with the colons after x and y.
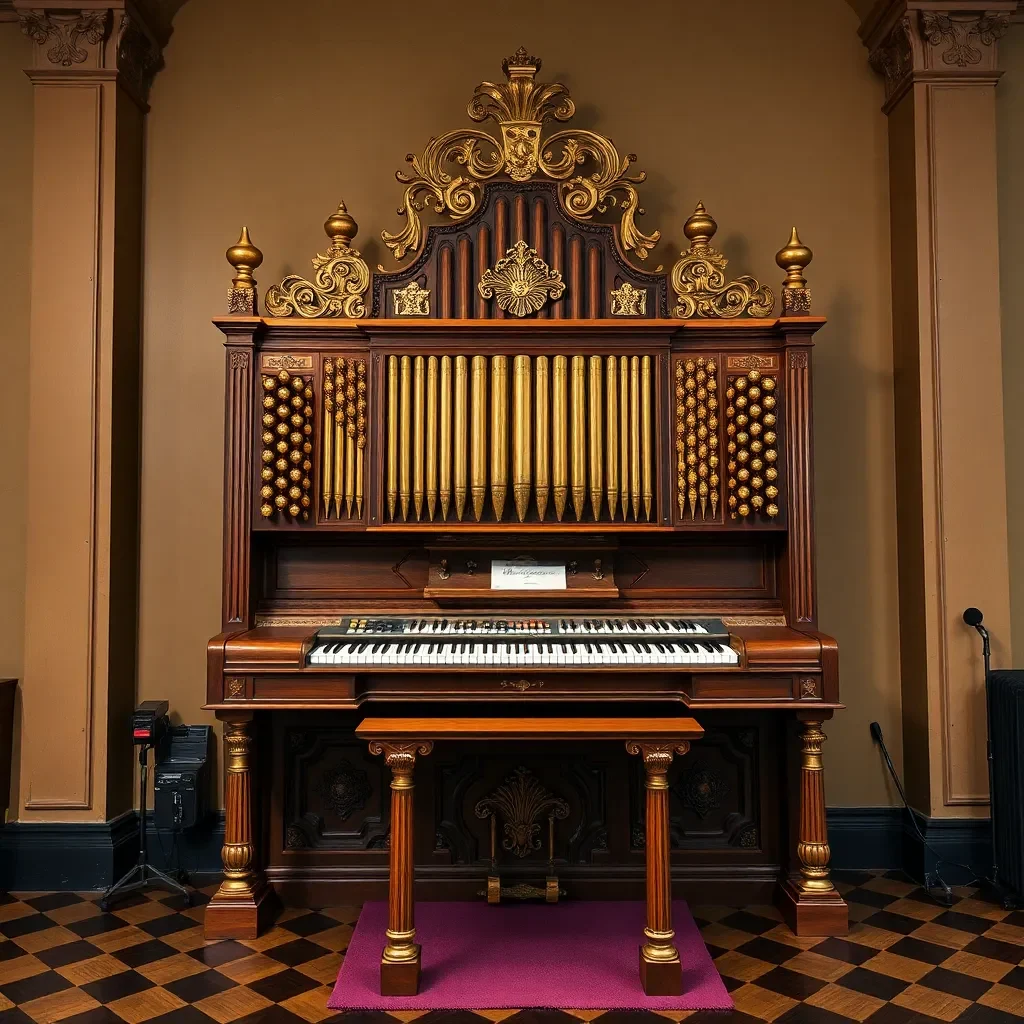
x: 15, y: 249
x: 344, y: 92
x: 1010, y: 137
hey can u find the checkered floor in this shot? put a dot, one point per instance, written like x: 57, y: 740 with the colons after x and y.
x: 905, y: 959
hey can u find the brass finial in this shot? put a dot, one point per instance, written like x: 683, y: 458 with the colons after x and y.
x: 340, y: 227
x: 520, y: 64
x: 793, y: 258
x: 245, y: 258
x: 701, y: 227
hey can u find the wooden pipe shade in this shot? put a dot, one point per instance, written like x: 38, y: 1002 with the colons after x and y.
x: 573, y: 435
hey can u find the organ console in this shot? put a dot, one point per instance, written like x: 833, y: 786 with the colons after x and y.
x: 520, y: 473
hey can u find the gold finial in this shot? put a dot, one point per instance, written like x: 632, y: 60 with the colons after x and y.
x: 701, y: 227
x: 245, y: 258
x: 340, y: 227
x: 520, y: 64
x: 793, y: 258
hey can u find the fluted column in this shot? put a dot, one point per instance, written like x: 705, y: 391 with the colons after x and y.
x: 90, y: 70
x: 939, y: 63
x: 240, y: 906
x: 400, y: 960
x: 661, y: 972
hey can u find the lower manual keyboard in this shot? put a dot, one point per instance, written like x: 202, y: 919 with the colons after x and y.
x: 379, y: 652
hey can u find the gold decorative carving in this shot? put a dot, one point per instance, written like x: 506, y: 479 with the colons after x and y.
x: 628, y: 301
x: 809, y: 687
x: 297, y: 620
x: 754, y: 620
x: 699, y: 281
x: 520, y: 106
x: 236, y: 687
x: 751, y: 421
x: 521, y: 800
x: 794, y: 258
x: 521, y: 282
x: 287, y: 445
x: 522, y: 684
x: 657, y: 758
x: 340, y: 281
x: 752, y: 362
x: 962, y: 34
x: 412, y: 300
x: 271, y: 361
x: 66, y: 30
x: 245, y: 258
x: 697, y: 459
x: 401, y: 759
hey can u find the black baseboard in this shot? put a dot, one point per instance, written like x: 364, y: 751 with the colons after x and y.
x: 862, y: 838
x: 90, y: 856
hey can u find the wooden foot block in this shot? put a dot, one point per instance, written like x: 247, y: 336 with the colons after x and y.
x: 400, y: 979
x: 661, y: 978
x: 229, y: 918
x: 812, y: 914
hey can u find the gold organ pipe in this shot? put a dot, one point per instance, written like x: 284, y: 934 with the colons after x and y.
x: 405, y: 442
x: 543, y: 425
x: 594, y: 430
x: 431, y: 442
x: 338, y: 484
x: 634, y: 434
x: 579, y: 435
x: 499, y: 433
x: 646, y: 482
x: 624, y: 434
x: 360, y: 432
x: 327, y: 437
x: 460, y: 433
x: 478, y: 436
x: 522, y: 383
x: 559, y: 424
x: 392, y: 436
x: 350, y: 437
x: 446, y: 435
x: 419, y: 368
x: 612, y: 436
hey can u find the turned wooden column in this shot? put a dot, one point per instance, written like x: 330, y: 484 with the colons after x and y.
x: 235, y: 910
x: 661, y: 972
x: 400, y: 960
x: 809, y: 901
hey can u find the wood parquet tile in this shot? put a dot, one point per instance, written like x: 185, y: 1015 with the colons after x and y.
x: 906, y: 961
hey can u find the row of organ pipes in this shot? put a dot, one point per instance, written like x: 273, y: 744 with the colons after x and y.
x: 581, y: 432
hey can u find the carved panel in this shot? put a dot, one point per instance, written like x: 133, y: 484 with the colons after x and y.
x: 335, y: 794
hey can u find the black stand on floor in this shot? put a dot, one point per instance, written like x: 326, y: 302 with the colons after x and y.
x: 143, y: 875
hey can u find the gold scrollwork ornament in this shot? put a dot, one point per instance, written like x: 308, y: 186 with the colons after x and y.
x: 521, y: 282
x: 520, y: 106
x: 339, y: 284
x: 628, y: 301
x: 698, y: 278
x: 412, y: 300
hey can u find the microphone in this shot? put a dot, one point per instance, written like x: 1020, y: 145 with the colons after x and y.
x: 973, y: 617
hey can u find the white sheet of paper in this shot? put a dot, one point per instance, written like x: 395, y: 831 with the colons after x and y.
x: 514, y: 575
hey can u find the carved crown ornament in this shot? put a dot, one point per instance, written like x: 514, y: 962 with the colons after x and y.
x: 520, y: 281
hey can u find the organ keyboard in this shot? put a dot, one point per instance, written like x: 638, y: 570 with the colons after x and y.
x: 596, y: 641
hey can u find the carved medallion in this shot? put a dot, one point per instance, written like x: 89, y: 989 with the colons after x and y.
x: 521, y: 800
x: 629, y: 301
x: 344, y: 789
x: 412, y: 300
x: 521, y: 282
x: 702, y: 789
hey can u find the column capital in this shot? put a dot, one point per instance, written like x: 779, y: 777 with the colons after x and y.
x: 952, y: 41
x: 89, y: 41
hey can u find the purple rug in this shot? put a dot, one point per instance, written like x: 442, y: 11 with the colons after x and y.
x: 578, y: 956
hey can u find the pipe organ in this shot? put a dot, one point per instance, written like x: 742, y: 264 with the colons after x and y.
x: 523, y: 472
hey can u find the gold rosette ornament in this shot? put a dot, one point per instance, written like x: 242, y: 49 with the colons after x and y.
x: 521, y: 282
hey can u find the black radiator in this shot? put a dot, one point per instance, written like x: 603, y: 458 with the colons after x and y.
x: 1006, y: 736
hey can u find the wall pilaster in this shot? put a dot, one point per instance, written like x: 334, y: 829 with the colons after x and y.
x: 939, y: 61
x: 91, y: 69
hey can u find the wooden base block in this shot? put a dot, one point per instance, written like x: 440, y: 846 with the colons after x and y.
x: 229, y: 918
x: 812, y: 914
x: 400, y: 979
x: 660, y: 978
